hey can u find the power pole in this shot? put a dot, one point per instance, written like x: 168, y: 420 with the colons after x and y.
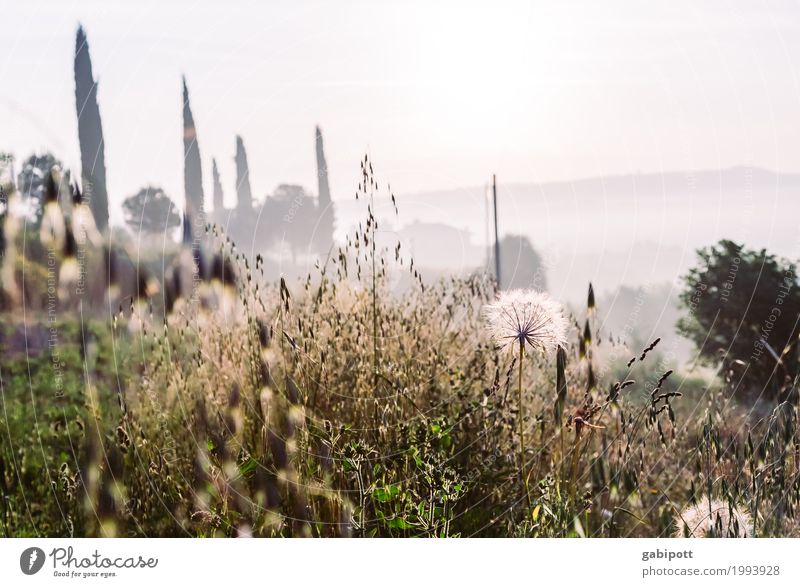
x: 496, y: 233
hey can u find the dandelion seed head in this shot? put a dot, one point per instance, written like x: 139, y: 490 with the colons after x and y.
x: 700, y: 520
x: 527, y: 317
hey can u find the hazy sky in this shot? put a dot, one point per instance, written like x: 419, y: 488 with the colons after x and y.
x: 441, y: 94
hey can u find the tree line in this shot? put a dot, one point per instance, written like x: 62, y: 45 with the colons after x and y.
x: 289, y: 215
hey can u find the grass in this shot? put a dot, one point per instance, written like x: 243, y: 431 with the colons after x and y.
x: 338, y: 407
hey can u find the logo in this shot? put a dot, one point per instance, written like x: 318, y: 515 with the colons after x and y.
x: 31, y: 560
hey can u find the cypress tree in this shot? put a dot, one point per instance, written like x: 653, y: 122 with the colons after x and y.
x: 244, y: 195
x: 186, y: 234
x: 322, y: 172
x: 324, y: 235
x: 192, y: 167
x: 219, y: 200
x: 90, y: 133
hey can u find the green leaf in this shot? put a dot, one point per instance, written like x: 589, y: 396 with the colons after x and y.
x: 400, y: 524
x: 248, y: 466
x: 381, y: 495
x: 387, y: 493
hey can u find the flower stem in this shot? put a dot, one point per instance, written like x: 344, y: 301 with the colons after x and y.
x: 573, y: 485
x: 522, y: 430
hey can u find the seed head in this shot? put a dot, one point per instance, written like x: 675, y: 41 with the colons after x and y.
x: 714, y: 518
x: 527, y: 317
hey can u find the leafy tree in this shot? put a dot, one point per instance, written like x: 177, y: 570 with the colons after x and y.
x: 742, y: 311
x: 32, y: 182
x: 151, y: 211
x: 289, y: 216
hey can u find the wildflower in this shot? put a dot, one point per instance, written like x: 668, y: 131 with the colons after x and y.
x: 527, y: 317
x: 713, y: 517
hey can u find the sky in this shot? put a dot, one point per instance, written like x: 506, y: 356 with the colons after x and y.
x: 440, y: 94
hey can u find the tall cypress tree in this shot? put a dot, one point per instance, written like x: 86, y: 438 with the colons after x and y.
x: 90, y: 133
x: 324, y: 234
x: 244, y: 195
x: 192, y: 167
x: 219, y: 199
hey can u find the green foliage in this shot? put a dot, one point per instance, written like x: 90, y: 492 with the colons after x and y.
x: 44, y: 414
x: 742, y: 311
x: 32, y: 181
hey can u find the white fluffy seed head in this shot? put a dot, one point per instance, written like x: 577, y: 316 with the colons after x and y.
x: 527, y: 318
x: 714, y: 518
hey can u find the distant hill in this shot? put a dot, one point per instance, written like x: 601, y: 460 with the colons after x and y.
x: 738, y: 177
x: 633, y: 230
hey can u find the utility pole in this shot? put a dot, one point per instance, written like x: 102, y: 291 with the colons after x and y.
x: 496, y: 234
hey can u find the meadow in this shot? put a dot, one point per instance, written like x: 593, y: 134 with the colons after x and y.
x: 183, y: 393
